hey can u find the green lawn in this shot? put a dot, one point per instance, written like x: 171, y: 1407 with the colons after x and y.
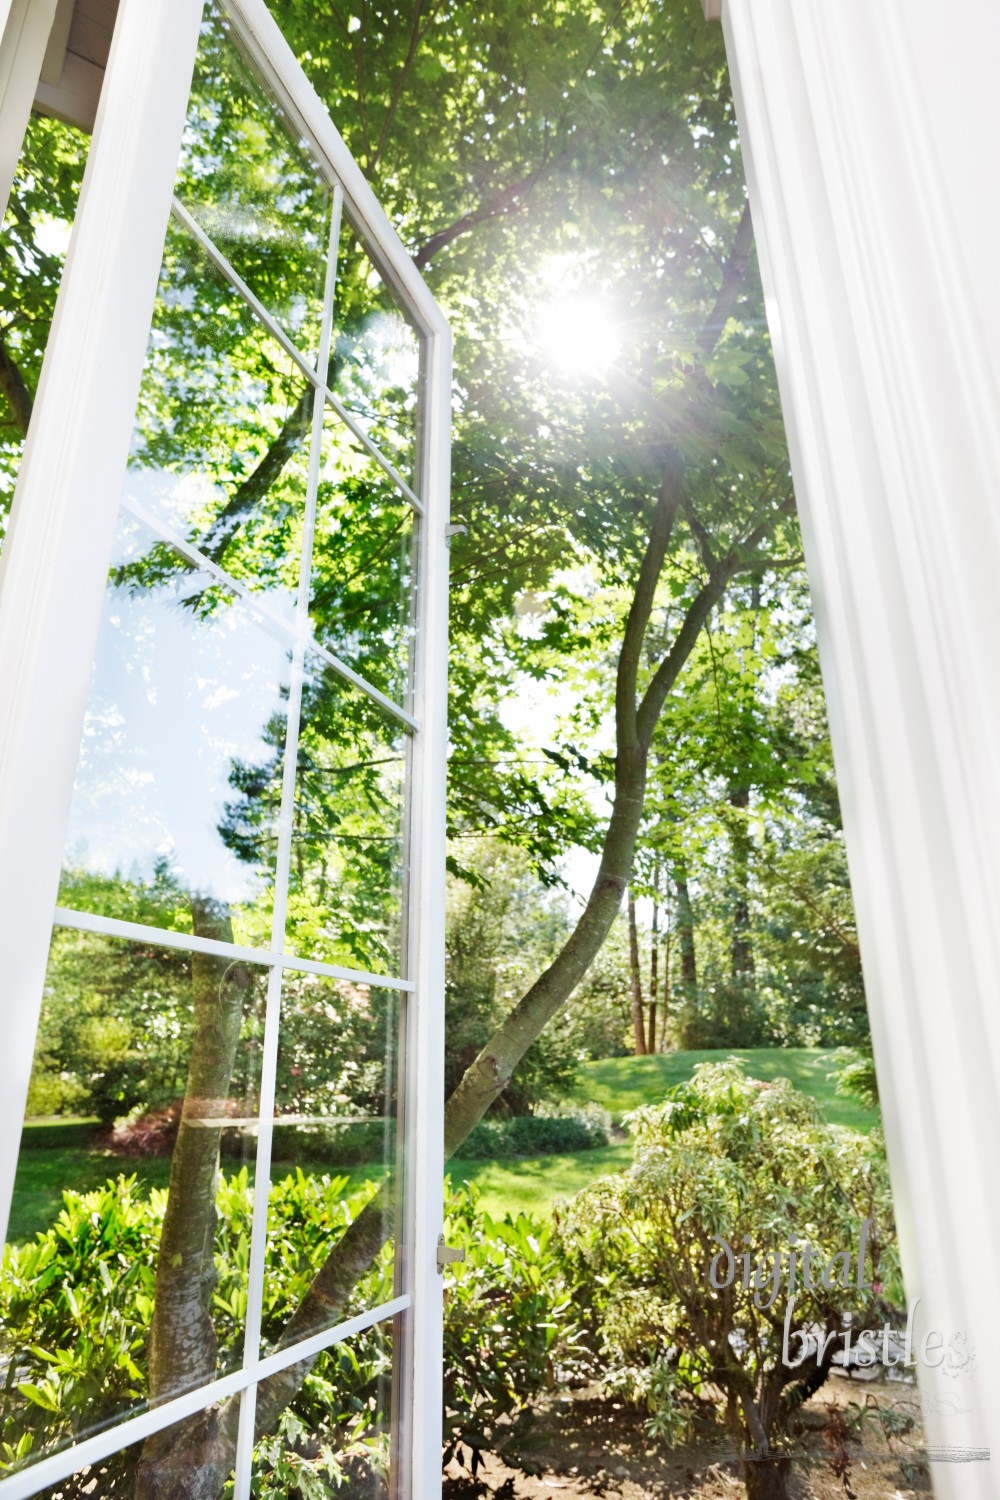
x: 530, y: 1184
x: 44, y: 1173
x: 623, y: 1083
x: 520, y: 1186
x: 66, y: 1155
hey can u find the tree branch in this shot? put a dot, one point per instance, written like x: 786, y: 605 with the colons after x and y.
x: 669, y: 669
x: 417, y: 34
x: 15, y: 389
x: 719, y: 578
x: 493, y: 208
x: 668, y: 502
x: 700, y: 535
x: 247, y: 495
x: 733, y: 277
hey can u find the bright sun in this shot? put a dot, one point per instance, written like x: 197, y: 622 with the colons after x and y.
x: 578, y: 335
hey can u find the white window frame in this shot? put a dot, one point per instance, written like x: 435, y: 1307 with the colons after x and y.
x: 52, y: 581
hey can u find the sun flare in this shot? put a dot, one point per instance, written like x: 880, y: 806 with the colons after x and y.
x: 578, y: 335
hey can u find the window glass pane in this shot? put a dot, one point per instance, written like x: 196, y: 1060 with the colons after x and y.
x: 363, y: 565
x: 254, y: 185
x: 376, y: 358
x: 160, y: 1050
x: 346, y: 883
x: 220, y: 445
x: 339, y: 1444
x: 175, y: 1456
x: 186, y: 708
x: 334, y: 1148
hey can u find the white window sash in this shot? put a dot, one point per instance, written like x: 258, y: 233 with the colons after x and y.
x: 52, y: 584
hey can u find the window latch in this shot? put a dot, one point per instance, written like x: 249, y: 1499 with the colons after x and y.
x: 448, y: 1255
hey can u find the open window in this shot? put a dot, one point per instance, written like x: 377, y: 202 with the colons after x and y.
x: 222, y: 616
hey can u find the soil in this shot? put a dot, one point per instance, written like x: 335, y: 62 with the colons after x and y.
x: 583, y: 1447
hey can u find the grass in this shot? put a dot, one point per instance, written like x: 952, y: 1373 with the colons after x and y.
x: 623, y: 1083
x: 44, y: 1174
x: 529, y: 1185
x: 56, y: 1155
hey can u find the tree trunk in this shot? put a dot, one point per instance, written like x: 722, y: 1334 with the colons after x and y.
x: 15, y: 390
x: 665, y: 1012
x: 654, y: 959
x: 766, y: 1478
x: 765, y: 1471
x: 689, y: 965
x: 638, y: 1026
x: 742, y: 965
x: 182, y: 1341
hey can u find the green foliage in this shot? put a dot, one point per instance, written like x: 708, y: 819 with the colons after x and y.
x: 626, y: 1083
x: 598, y: 1017
x: 75, y: 1308
x: 580, y: 1129
x: 856, y: 1076
x: 114, y: 1025
x: 744, y: 806
x: 511, y: 1331
x: 727, y: 1159
x: 32, y: 252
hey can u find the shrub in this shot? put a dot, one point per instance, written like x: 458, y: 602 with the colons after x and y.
x: 76, y: 1306
x: 855, y: 1075
x: 510, y: 1328
x: 574, y: 1129
x: 730, y: 1159
x: 150, y: 1134
x: 75, y: 1310
x: 355, y: 1143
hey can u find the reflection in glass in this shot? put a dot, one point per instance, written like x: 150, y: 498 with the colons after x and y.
x: 186, y: 711
x: 376, y: 359
x: 174, y: 1457
x: 115, y: 1292
x: 221, y: 437
x: 346, y: 885
x: 340, y: 1443
x: 334, y: 1147
x: 363, y: 565
x: 254, y: 186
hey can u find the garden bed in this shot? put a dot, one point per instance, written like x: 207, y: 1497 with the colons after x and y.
x: 586, y: 1448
